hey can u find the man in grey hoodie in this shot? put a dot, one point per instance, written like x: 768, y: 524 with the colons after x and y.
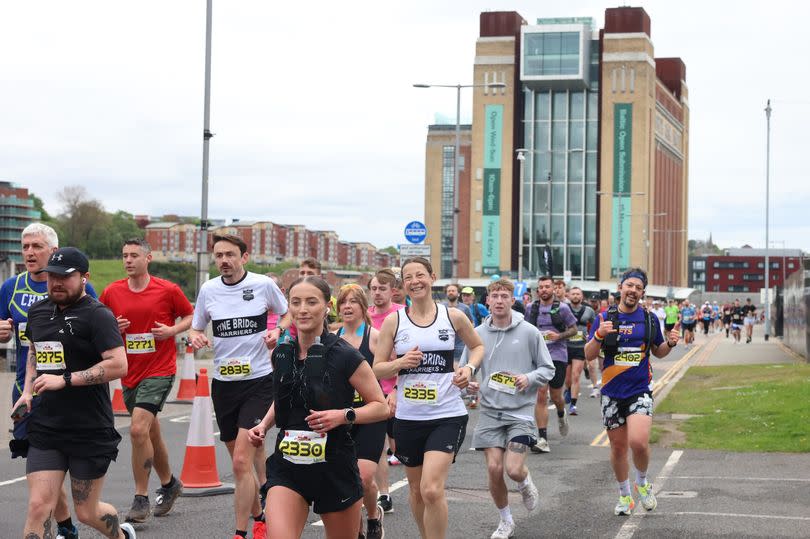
x: 516, y: 363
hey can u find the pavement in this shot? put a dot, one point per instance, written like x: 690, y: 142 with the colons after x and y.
x: 701, y: 493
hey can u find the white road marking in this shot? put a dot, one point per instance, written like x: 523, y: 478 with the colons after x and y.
x: 724, y: 478
x: 732, y: 515
x: 396, y: 486
x: 11, y: 481
x: 630, y: 527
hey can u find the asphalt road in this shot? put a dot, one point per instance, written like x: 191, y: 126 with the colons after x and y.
x: 702, y: 493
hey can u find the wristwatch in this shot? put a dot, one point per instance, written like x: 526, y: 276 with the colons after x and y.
x: 472, y: 368
x: 68, y: 379
x: 350, y: 415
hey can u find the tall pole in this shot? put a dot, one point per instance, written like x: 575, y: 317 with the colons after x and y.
x: 767, y: 221
x: 202, y: 254
x: 522, y: 159
x: 456, y: 182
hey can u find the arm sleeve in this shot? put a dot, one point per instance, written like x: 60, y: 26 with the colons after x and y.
x: 182, y: 306
x: 543, y: 366
x: 105, y: 330
x: 5, y: 298
x: 201, y: 317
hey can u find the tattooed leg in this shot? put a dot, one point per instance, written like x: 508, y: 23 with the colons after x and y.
x: 93, y: 512
x: 515, y: 461
x: 43, y: 491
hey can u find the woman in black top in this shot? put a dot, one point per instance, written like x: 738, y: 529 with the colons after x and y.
x: 315, y: 377
x: 369, y: 440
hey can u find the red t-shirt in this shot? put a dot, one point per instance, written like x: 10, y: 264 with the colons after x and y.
x: 161, y: 301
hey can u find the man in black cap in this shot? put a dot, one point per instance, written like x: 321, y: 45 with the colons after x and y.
x: 75, y: 349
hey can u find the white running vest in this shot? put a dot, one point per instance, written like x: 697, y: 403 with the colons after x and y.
x: 427, y: 391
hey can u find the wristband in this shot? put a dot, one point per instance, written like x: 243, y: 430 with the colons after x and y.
x: 671, y: 344
x: 597, y: 337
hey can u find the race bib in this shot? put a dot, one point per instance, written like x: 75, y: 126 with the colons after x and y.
x: 303, y: 446
x: 546, y: 335
x: 21, y: 333
x: 628, y: 357
x: 502, y: 381
x: 50, y: 356
x: 234, y: 368
x: 578, y: 337
x: 421, y: 392
x: 140, y: 343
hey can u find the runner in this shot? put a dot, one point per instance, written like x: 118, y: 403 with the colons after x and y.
x: 310, y: 266
x: 706, y: 314
x: 369, y: 439
x: 717, y: 320
x: 556, y: 323
x: 382, y: 288
x: 236, y: 303
x: 316, y: 376
x: 737, y: 320
x: 17, y: 295
x: 146, y: 309
x: 627, y: 335
x: 584, y: 317
x: 659, y: 313
x: 750, y: 319
x: 688, y: 322
x: 517, y: 361
x: 430, y: 416
x: 727, y: 308
x: 75, y: 349
x: 451, y: 291
x: 561, y: 291
x: 672, y: 315
x: 477, y: 310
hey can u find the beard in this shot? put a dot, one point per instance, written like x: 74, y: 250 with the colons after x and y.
x: 65, y: 297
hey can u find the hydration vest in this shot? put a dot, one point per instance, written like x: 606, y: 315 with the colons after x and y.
x: 611, y: 342
x: 556, y: 317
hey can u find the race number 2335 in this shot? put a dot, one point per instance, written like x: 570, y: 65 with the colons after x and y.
x: 420, y: 392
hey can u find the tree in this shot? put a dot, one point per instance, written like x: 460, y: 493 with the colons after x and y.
x: 45, y: 217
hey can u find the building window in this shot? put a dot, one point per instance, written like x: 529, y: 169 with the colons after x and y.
x: 791, y: 265
x: 730, y: 276
x: 716, y: 276
x: 551, y: 53
x: 753, y: 277
x: 448, y: 187
x: 698, y: 264
x: 738, y: 288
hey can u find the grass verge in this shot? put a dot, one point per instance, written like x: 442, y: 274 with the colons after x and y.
x: 762, y: 408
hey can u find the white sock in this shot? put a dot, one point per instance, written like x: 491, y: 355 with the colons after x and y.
x: 525, y: 482
x: 506, y: 514
x: 641, y: 477
x: 624, y: 487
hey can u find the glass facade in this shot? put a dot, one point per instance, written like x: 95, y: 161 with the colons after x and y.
x: 448, y: 181
x: 551, y: 53
x: 561, y: 124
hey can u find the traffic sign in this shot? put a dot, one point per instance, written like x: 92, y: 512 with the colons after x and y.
x: 408, y: 249
x: 520, y: 288
x: 415, y: 232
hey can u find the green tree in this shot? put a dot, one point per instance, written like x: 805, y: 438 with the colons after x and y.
x: 40, y: 207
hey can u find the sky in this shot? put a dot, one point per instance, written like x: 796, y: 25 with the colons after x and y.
x: 316, y: 121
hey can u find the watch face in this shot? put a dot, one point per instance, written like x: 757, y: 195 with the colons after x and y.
x: 350, y: 415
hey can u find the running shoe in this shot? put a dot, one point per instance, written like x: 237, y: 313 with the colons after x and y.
x: 541, y: 446
x: 531, y: 497
x: 374, y: 529
x: 387, y: 504
x: 164, y: 501
x: 595, y: 393
x: 67, y: 533
x: 646, y: 496
x: 625, y: 506
x: 572, y: 410
x: 505, y: 530
x: 567, y: 396
x: 393, y: 461
x: 563, y: 424
x: 140, y: 509
x: 129, y: 531
x: 259, y: 529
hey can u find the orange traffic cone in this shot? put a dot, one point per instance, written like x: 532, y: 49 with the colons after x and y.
x: 187, y: 388
x: 118, y: 406
x: 199, y: 475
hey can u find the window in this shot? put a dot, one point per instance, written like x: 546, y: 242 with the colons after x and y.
x: 791, y: 265
x: 730, y: 276
x: 738, y: 288
x: 753, y: 277
x: 551, y: 53
x: 716, y: 276
x: 699, y: 264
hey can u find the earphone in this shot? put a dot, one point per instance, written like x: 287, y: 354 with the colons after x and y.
x: 84, y: 280
x: 327, y: 311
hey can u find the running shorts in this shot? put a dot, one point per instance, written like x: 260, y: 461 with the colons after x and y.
x: 415, y: 438
x: 615, y: 411
x: 150, y: 394
x: 241, y: 404
x: 494, y: 429
x: 369, y: 440
x: 559, y: 375
x: 84, y: 468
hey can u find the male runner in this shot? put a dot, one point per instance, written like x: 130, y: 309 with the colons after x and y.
x: 478, y: 310
x: 627, y: 335
x: 688, y: 322
x: 561, y: 291
x: 727, y: 307
x: 672, y: 315
x: 146, y: 309
x: 737, y: 320
x: 750, y: 319
x: 382, y: 289
x: 17, y: 295
x: 74, y: 350
x: 236, y: 303
x: 584, y: 316
x: 451, y: 291
x: 518, y: 363
x: 706, y: 314
x: 556, y: 323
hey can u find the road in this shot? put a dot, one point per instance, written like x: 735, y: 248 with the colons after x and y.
x: 703, y: 493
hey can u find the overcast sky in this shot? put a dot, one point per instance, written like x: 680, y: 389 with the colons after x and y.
x: 316, y: 121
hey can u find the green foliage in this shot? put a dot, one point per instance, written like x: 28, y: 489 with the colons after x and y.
x: 391, y: 250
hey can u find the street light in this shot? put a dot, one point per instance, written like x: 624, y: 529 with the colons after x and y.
x: 521, y: 157
x: 458, y: 88
x: 767, y: 221
x: 202, y: 254
x: 621, y: 213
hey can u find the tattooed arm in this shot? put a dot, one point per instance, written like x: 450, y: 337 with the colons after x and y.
x: 113, y: 365
x: 28, y: 387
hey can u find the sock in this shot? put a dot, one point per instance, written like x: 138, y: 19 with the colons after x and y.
x: 259, y: 518
x: 241, y: 533
x: 525, y: 482
x: 67, y: 523
x: 506, y: 514
x: 170, y: 484
x: 144, y: 497
x: 641, y: 477
x: 573, y: 401
x: 561, y: 413
x: 624, y: 487
x: 542, y: 432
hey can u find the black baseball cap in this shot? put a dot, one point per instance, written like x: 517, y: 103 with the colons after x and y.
x: 66, y: 260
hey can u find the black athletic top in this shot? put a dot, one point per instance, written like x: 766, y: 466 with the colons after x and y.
x: 365, y: 351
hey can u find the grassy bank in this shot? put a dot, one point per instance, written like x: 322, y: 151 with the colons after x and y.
x: 744, y: 408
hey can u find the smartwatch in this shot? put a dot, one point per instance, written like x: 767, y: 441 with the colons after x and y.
x: 350, y: 415
x: 68, y: 378
x: 472, y: 368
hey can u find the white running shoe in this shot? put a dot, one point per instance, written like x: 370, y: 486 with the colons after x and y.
x: 505, y: 530
x: 563, y: 423
x: 595, y: 393
x: 541, y: 446
x: 128, y: 530
x: 531, y: 497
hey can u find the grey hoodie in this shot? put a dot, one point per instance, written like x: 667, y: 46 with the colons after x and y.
x: 517, y: 349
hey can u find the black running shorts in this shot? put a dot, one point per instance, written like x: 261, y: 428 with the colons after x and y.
x: 415, y: 438
x: 369, y: 440
x: 84, y: 468
x: 559, y: 375
x: 240, y: 404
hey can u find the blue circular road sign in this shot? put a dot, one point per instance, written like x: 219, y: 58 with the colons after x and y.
x: 415, y: 232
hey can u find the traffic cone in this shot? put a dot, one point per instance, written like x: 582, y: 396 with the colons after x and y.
x: 118, y: 406
x: 199, y: 475
x: 188, y: 380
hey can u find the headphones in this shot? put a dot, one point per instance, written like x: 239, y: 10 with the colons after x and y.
x: 84, y: 280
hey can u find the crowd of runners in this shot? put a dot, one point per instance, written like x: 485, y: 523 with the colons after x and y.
x: 377, y: 376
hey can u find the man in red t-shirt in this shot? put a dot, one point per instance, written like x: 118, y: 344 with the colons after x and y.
x: 147, y: 308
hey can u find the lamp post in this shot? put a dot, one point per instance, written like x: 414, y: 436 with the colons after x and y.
x: 621, y: 212
x: 521, y: 157
x: 458, y: 88
x: 202, y: 254
x: 767, y: 221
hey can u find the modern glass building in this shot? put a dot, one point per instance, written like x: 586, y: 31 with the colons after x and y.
x: 16, y: 212
x: 559, y: 73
